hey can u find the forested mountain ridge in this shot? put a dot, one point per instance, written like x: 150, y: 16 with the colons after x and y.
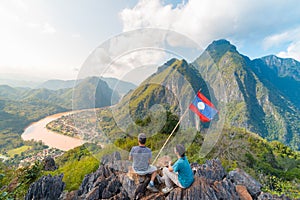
x: 257, y: 99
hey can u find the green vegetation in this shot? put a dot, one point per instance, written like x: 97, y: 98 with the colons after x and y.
x: 17, y: 181
x: 75, y: 170
x: 78, y: 162
x: 29, y: 150
x: 75, y: 164
x: 18, y: 151
x: 16, y: 115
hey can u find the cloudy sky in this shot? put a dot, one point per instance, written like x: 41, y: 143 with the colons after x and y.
x: 46, y: 39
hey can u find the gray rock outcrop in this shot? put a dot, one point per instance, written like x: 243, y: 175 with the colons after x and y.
x: 49, y: 164
x: 114, y: 179
x: 267, y: 196
x: 239, y: 177
x: 46, y: 188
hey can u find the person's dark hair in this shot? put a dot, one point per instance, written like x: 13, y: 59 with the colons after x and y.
x: 180, y: 150
x: 142, y: 138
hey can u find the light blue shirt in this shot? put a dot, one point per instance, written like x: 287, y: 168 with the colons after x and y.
x: 140, y: 156
x: 185, y: 173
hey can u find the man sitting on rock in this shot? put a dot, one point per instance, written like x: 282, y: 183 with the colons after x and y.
x: 180, y: 173
x: 141, y: 156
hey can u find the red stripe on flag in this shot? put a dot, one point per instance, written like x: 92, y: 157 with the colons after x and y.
x: 205, y: 100
x: 196, y: 111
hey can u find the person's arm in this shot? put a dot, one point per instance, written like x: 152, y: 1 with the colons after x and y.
x: 175, y: 167
x: 170, y: 166
x: 130, y: 157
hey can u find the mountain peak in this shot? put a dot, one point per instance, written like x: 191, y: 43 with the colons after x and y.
x: 219, y: 47
x: 175, y: 61
x: 172, y: 62
x: 223, y: 45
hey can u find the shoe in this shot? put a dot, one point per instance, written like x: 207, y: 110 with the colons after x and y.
x: 152, y: 188
x: 167, y: 190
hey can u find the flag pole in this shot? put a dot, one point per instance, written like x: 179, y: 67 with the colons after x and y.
x: 170, y: 136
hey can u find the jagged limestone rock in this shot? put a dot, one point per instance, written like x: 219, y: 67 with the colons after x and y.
x: 112, y: 182
x: 49, y: 164
x: 239, y: 177
x: 46, y: 188
x: 212, y: 169
x: 267, y: 196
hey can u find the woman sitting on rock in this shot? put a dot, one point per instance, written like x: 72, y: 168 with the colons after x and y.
x: 180, y: 173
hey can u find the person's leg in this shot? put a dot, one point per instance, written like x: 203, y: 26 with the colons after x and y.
x: 170, y: 178
x: 166, y: 174
x: 152, y: 171
x: 153, y: 176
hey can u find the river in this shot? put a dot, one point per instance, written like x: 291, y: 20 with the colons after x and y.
x: 38, y: 131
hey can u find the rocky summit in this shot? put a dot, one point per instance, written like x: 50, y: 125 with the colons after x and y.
x: 114, y: 180
x: 47, y: 187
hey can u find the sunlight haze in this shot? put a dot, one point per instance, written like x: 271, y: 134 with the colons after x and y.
x: 52, y: 39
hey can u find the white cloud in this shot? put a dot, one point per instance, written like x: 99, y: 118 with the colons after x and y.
x: 293, y: 51
x: 48, y: 29
x: 33, y: 25
x: 144, y: 61
x: 75, y: 35
x: 125, y: 55
x: 281, y: 38
x: 244, y: 21
x: 291, y: 38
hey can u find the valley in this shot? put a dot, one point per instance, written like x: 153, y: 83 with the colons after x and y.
x: 257, y: 127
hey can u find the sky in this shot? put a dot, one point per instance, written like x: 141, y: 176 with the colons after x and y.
x: 55, y: 39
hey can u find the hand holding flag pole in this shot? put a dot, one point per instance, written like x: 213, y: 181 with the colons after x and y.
x: 200, y: 106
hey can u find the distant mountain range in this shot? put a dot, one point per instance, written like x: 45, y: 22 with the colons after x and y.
x: 60, y: 92
x: 18, y: 83
x: 122, y: 87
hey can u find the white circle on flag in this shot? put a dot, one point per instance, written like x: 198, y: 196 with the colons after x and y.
x: 201, y: 105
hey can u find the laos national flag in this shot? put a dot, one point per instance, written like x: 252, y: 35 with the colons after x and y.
x: 203, y: 108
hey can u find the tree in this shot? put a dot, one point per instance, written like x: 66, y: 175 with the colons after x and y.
x: 170, y: 124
